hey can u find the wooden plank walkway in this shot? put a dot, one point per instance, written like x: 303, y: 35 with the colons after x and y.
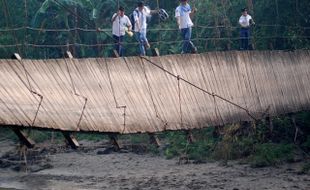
x: 152, y: 94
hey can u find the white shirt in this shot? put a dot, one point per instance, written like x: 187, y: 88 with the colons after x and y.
x: 120, y: 24
x: 183, y: 13
x: 141, y: 17
x: 244, y: 21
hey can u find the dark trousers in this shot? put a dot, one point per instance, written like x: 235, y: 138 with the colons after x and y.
x: 118, y: 40
x: 188, y: 45
x: 244, y: 38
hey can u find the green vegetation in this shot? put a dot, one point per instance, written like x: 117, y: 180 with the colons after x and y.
x: 258, y: 144
x: 270, y: 154
x: 91, y: 137
x: 279, y: 26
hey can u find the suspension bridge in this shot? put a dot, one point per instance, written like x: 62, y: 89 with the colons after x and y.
x: 153, y: 94
x: 146, y: 94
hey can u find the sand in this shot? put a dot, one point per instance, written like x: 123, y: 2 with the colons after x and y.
x: 85, y: 169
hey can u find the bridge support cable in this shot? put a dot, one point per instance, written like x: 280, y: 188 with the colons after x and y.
x: 18, y: 57
x: 74, y: 90
x: 180, y: 101
x: 34, y: 92
x: 199, y: 88
x: 217, y: 111
x: 157, y: 115
x: 117, y: 106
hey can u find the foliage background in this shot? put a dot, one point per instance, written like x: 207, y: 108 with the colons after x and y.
x: 281, y: 24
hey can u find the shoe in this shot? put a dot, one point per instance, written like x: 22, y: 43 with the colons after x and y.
x: 195, y: 50
x: 147, y: 45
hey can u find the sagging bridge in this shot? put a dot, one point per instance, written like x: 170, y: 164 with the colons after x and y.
x: 152, y: 94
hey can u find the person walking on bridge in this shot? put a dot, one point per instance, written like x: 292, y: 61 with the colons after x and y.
x: 183, y: 14
x: 245, y: 23
x: 140, y: 15
x: 120, y: 24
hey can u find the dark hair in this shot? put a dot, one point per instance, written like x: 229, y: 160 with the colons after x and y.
x: 244, y: 9
x: 140, y: 4
x: 121, y: 8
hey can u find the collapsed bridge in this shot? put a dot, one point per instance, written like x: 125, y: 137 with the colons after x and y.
x: 153, y: 94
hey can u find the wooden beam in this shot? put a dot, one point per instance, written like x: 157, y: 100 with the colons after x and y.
x: 16, y: 56
x: 154, y: 140
x: 74, y: 144
x: 23, y: 138
x: 114, y: 142
x: 115, y: 53
x: 69, y: 55
x: 155, y: 52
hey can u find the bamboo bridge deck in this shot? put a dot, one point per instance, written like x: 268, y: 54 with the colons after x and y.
x: 152, y: 94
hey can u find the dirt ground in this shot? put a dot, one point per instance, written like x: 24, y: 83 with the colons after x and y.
x: 57, y: 168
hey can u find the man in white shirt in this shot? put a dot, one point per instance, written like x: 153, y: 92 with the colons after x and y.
x: 120, y: 23
x: 140, y: 15
x: 245, y: 23
x: 183, y: 14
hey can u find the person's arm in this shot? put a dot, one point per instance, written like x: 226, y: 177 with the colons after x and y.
x: 251, y: 21
x: 193, y: 12
x: 129, y: 25
x: 114, y: 17
x: 154, y: 11
x: 178, y: 20
x: 177, y: 16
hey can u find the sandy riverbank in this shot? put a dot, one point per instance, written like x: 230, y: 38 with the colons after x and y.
x: 85, y: 169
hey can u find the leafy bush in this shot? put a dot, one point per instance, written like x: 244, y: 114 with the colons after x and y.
x: 270, y: 154
x: 91, y: 137
x: 7, y: 134
x: 177, y: 144
x: 199, y: 150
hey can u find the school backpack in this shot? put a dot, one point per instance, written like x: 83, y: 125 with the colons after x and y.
x: 132, y: 19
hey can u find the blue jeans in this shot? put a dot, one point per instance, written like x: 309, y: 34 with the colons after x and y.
x: 141, y: 38
x: 118, y: 40
x: 244, y: 38
x: 188, y: 45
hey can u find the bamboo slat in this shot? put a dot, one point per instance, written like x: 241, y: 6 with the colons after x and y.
x: 132, y: 95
